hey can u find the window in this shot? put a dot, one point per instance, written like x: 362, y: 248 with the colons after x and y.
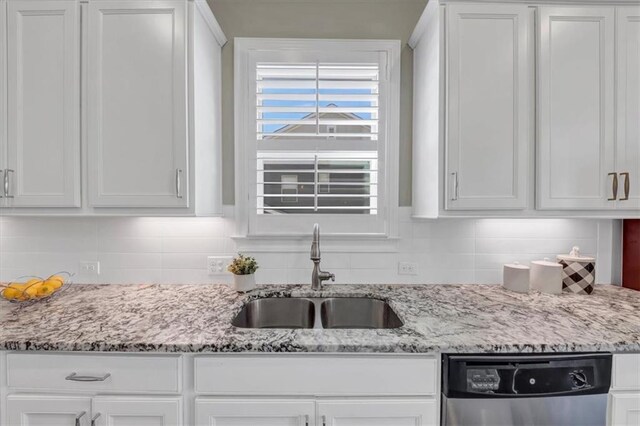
x: 316, y: 135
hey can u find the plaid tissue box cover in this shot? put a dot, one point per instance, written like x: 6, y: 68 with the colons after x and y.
x: 578, y: 277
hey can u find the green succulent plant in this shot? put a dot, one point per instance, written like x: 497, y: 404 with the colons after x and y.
x: 243, y: 265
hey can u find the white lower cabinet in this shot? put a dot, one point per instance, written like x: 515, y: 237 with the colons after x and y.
x: 47, y: 410
x: 624, y: 409
x: 380, y: 412
x: 252, y: 412
x: 309, y: 412
x: 136, y: 411
x: 624, y: 397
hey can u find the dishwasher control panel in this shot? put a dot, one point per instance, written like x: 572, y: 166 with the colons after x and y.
x: 483, y: 380
x: 469, y: 376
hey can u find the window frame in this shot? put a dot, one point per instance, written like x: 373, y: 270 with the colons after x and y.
x: 384, y: 225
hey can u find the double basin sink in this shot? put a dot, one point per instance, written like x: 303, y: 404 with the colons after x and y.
x: 314, y: 312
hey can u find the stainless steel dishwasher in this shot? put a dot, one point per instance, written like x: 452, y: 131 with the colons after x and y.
x: 529, y: 390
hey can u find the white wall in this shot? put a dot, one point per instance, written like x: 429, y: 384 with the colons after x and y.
x: 174, y: 250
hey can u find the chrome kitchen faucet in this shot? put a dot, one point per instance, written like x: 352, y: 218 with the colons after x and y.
x: 317, y: 276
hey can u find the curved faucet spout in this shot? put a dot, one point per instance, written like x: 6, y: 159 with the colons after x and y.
x: 315, y: 243
x: 318, y: 275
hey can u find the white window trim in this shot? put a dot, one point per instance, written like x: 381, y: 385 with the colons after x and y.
x: 244, y: 47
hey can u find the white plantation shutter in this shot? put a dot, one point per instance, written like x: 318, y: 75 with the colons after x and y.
x: 332, y: 183
x: 300, y: 105
x: 317, y: 135
x: 316, y: 100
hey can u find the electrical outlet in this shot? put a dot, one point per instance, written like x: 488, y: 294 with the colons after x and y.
x: 217, y: 265
x: 407, y: 268
x: 90, y: 267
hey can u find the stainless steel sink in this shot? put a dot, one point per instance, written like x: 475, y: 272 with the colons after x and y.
x: 276, y: 313
x: 358, y: 312
x: 334, y: 312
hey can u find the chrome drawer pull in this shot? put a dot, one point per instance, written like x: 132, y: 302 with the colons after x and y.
x: 456, y: 186
x: 626, y: 186
x: 178, y: 183
x: 6, y: 183
x: 614, y: 187
x: 306, y: 420
x: 3, y: 193
x: 93, y: 420
x: 79, y: 416
x: 75, y: 378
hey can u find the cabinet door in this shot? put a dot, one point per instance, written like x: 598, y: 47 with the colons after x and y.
x: 378, y: 413
x: 43, y: 115
x: 576, y: 108
x: 254, y: 412
x: 624, y: 409
x: 137, y: 131
x: 136, y: 411
x: 628, y: 111
x: 489, y: 63
x: 35, y: 410
x: 3, y: 98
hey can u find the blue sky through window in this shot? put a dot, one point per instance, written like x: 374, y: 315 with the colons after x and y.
x: 272, y: 128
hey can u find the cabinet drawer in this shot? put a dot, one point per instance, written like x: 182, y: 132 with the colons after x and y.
x: 626, y: 372
x: 126, y: 373
x: 335, y: 375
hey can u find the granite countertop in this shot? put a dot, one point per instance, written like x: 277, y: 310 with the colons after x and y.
x: 438, y: 318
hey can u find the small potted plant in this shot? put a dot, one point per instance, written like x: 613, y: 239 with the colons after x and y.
x: 243, y: 269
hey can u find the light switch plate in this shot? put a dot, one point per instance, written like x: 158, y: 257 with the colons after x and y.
x: 90, y: 267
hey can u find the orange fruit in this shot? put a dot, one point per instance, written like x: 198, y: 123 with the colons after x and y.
x: 55, y: 281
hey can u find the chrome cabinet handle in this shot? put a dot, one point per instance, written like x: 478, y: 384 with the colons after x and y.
x: 179, y: 183
x: 306, y: 420
x: 93, y: 420
x: 79, y: 416
x: 6, y: 183
x: 75, y: 378
x: 456, y: 186
x: 627, y: 186
x: 614, y: 187
x: 324, y: 420
x: 3, y: 193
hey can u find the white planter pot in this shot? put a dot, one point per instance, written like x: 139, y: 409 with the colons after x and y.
x: 244, y: 283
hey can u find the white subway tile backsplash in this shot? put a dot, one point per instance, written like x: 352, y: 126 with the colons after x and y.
x: 184, y: 260
x: 212, y: 245
x: 175, y: 250
x: 130, y: 245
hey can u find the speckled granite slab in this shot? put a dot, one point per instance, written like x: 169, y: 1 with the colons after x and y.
x: 438, y: 318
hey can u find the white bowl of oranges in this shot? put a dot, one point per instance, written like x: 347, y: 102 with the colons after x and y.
x: 32, y: 288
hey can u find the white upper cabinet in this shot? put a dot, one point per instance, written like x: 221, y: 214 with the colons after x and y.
x: 137, y: 104
x: 628, y: 107
x: 42, y: 167
x: 489, y: 106
x: 3, y: 98
x: 576, y: 161
x: 506, y: 128
x: 144, y: 138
